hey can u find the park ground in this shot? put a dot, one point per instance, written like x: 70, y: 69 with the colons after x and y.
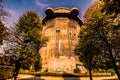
x: 31, y: 77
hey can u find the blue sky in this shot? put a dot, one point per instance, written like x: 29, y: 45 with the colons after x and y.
x: 17, y: 7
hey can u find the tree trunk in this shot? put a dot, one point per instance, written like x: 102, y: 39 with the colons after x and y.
x: 113, y: 62
x: 90, y: 73
x: 116, y: 70
x: 17, y: 68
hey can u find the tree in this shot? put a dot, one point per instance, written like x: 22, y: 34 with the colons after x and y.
x: 87, y: 49
x: 96, y: 7
x: 3, y: 29
x: 3, y: 32
x: 105, y: 31
x: 27, y: 34
x: 111, y: 6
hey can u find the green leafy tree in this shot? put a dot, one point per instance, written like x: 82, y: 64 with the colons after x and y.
x: 102, y: 30
x: 27, y: 34
x: 112, y: 8
x: 87, y: 49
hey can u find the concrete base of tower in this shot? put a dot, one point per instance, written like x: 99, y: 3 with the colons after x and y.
x: 62, y: 64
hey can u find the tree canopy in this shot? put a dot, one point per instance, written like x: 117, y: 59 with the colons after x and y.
x: 27, y: 34
x: 99, y: 36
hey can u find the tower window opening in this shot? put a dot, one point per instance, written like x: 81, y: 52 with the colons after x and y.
x: 74, y: 34
x: 58, y: 30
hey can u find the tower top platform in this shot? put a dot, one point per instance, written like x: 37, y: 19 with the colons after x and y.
x: 72, y: 13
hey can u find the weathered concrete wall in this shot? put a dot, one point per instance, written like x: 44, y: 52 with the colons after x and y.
x: 60, y: 43
x: 61, y: 64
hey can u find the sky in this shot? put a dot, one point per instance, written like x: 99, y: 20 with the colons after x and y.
x: 17, y: 7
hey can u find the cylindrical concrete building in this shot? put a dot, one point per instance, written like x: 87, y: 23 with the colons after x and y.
x: 61, y: 26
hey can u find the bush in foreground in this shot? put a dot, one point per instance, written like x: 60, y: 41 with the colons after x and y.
x: 6, y: 72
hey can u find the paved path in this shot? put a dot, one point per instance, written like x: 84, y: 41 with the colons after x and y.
x: 30, y: 77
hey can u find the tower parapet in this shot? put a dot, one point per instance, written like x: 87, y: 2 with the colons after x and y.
x: 52, y: 13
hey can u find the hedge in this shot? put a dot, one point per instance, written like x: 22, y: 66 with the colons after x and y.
x: 6, y: 72
x: 63, y: 74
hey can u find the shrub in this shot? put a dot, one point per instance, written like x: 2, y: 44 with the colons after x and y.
x: 6, y: 72
x: 112, y: 72
x: 62, y: 74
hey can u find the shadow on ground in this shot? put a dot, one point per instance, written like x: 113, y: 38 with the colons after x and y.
x: 38, y: 78
x: 31, y: 78
x: 72, y: 78
x: 109, y: 79
x: 68, y: 76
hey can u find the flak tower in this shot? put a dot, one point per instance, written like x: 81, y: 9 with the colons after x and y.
x: 61, y: 26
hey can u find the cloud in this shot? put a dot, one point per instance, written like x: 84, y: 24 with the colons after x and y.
x: 39, y: 4
x: 94, y: 0
x: 12, y: 12
x: 13, y: 18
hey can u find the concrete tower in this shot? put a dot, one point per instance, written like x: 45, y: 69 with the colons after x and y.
x: 61, y: 26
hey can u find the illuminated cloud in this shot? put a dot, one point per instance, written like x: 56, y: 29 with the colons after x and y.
x: 39, y: 4
x: 95, y: 0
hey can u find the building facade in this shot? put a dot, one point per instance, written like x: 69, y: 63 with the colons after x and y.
x: 61, y: 26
